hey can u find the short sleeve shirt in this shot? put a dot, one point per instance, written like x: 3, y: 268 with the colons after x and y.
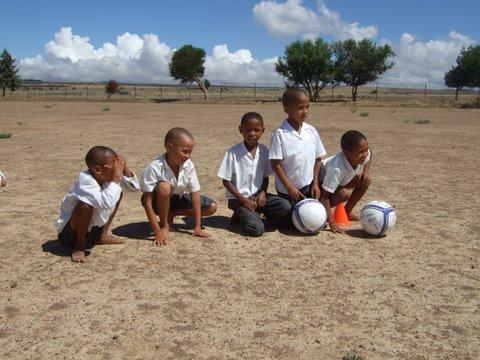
x: 159, y: 171
x: 246, y: 172
x: 337, y: 171
x: 297, y: 152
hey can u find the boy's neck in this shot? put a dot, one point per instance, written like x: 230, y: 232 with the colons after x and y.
x: 173, y: 166
x: 295, y: 125
x: 251, y: 148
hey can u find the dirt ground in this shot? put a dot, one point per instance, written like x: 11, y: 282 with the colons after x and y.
x: 413, y: 294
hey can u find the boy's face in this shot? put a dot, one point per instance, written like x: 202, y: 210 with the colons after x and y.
x: 251, y: 131
x: 298, y: 111
x: 180, y: 151
x: 359, y: 154
x: 104, y: 173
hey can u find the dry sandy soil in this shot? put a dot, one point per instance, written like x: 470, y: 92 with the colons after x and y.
x: 413, y: 294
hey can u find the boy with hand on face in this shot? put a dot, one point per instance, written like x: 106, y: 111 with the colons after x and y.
x: 296, y: 150
x: 164, y: 183
x: 89, y: 207
x: 349, y: 169
x: 244, y: 172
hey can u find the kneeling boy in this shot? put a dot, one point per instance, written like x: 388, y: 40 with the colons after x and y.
x: 164, y: 183
x: 244, y: 170
x: 347, y: 170
x: 89, y: 207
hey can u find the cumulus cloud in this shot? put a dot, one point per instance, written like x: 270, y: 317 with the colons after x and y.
x: 292, y: 18
x: 134, y: 58
x: 417, y: 62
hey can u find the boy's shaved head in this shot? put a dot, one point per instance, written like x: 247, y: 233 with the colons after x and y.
x: 293, y: 95
x: 351, y: 139
x: 251, y: 115
x: 175, y: 134
x: 98, y: 155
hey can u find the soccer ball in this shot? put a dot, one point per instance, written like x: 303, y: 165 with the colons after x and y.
x: 377, y: 217
x: 309, y: 216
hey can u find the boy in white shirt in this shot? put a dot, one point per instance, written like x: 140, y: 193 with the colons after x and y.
x: 244, y: 171
x: 3, y: 180
x: 349, y: 169
x: 164, y: 183
x: 91, y: 203
x: 296, y: 150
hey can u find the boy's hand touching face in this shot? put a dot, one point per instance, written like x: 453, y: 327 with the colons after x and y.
x: 295, y: 193
x: 261, y: 199
x: 118, y: 167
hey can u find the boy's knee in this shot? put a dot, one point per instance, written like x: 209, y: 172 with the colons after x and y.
x: 212, y: 209
x: 163, y: 189
x: 83, y: 208
x: 254, y: 229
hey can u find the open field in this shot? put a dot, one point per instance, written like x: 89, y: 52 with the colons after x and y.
x: 414, y: 294
x: 241, y: 94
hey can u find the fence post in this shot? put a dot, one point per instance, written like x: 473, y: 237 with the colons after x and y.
x: 425, y: 92
x: 331, y: 94
x: 87, y: 92
x: 161, y: 92
x: 478, y: 93
x: 221, y: 89
x: 255, y: 92
x: 189, y: 96
x: 28, y: 91
x: 376, y: 94
x: 46, y: 91
x: 135, y: 89
x: 65, y: 88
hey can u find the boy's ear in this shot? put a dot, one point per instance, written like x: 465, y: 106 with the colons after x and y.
x: 285, y: 108
x: 263, y: 130
x: 169, y: 146
x: 97, y: 168
x: 240, y: 129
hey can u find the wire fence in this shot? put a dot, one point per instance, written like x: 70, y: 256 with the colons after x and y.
x: 232, y: 93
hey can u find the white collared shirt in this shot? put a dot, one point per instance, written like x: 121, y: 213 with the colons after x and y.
x: 337, y: 171
x: 103, y: 198
x: 246, y: 172
x: 2, y: 176
x: 297, y: 152
x: 159, y: 170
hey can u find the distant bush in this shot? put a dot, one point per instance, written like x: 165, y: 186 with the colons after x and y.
x: 5, y: 135
x: 421, y: 121
x: 470, y: 105
x: 364, y: 113
x: 106, y: 108
x: 353, y: 110
x: 353, y: 356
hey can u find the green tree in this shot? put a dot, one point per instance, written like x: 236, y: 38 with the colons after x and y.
x: 307, y: 64
x: 8, y: 73
x: 467, y: 71
x: 187, y: 65
x: 360, y: 62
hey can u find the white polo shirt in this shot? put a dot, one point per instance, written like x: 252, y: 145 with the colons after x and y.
x: 337, y: 171
x: 2, y: 176
x: 103, y: 198
x: 246, y: 172
x: 159, y: 170
x: 297, y: 152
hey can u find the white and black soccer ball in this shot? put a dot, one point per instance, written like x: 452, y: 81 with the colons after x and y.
x: 377, y: 217
x: 309, y: 216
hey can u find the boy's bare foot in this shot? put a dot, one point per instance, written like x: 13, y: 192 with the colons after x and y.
x: 109, y: 239
x: 79, y: 256
x: 353, y: 217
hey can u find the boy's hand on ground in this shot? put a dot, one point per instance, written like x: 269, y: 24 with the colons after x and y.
x: 202, y: 233
x: 250, y: 204
x: 295, y: 193
x: 316, y: 191
x: 261, y: 199
x: 336, y: 228
x: 161, y: 237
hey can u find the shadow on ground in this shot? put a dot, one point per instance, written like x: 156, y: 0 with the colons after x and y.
x: 55, y: 247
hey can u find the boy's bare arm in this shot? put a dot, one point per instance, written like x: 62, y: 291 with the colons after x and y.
x: 365, y: 177
x: 160, y: 236
x: 325, y: 200
x: 248, y: 203
x: 197, y: 214
x: 261, y: 197
x: 292, y: 190
x: 316, y: 172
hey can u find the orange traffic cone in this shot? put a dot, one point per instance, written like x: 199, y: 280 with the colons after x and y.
x: 340, y: 215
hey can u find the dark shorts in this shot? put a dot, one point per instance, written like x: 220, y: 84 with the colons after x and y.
x: 184, y: 202
x: 306, y: 191
x: 68, y: 237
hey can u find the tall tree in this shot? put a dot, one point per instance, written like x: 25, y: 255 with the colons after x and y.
x: 9, y: 78
x: 111, y: 87
x: 307, y: 64
x: 187, y: 65
x: 467, y: 71
x: 360, y: 62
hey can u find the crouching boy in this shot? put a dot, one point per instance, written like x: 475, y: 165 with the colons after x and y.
x: 244, y: 171
x: 164, y: 183
x: 91, y: 203
x: 346, y: 176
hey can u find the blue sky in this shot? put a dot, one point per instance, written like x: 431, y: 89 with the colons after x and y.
x: 262, y: 28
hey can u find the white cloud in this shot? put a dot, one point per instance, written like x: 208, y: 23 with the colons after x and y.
x: 292, y: 18
x: 134, y: 58
x: 417, y: 62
